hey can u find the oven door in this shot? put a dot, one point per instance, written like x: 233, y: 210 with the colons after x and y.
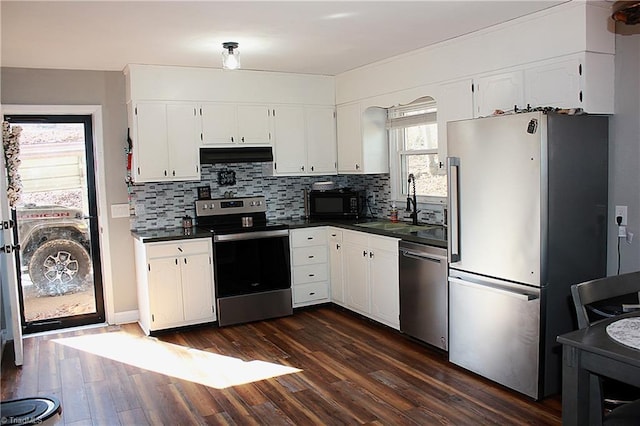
x: 251, y: 262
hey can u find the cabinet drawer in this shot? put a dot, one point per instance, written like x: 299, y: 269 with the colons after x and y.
x: 334, y: 235
x: 309, y: 255
x: 308, y: 237
x: 309, y: 273
x: 309, y: 292
x: 178, y: 248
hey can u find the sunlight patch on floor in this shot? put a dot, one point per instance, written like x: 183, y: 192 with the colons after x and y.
x: 206, y: 368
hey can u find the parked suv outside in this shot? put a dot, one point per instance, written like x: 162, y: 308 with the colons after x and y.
x: 54, y: 248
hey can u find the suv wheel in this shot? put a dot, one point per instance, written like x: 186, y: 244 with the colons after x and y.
x: 59, y: 267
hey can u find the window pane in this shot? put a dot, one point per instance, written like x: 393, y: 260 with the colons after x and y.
x: 421, y: 137
x: 425, y: 169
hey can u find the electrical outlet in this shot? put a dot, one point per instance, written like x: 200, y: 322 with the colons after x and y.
x: 622, y: 212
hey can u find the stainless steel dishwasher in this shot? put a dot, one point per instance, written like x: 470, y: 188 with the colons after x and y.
x: 423, y: 293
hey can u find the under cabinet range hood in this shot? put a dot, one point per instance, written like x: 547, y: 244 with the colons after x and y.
x: 259, y: 154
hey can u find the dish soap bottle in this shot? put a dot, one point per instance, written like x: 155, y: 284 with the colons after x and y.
x: 394, y: 213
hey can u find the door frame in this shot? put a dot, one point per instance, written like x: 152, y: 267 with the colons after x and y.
x: 10, y: 300
x: 95, y: 111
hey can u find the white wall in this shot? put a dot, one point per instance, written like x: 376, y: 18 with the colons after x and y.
x: 624, y: 150
x: 21, y: 86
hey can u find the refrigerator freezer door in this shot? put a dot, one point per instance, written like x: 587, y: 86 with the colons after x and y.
x: 494, y: 330
x: 497, y: 174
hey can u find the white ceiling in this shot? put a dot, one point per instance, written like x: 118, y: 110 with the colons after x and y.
x: 316, y: 37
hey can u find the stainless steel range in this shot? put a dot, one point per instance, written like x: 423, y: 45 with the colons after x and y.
x: 251, y: 259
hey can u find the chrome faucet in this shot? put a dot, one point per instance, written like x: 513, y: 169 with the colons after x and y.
x: 410, y: 200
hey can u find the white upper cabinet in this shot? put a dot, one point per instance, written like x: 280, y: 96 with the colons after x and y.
x: 305, y: 140
x: 362, y: 140
x: 254, y: 124
x: 321, y: 140
x: 183, y: 133
x: 580, y: 80
x: 165, y: 141
x: 219, y: 124
x: 290, y: 146
x: 499, y: 92
x: 231, y: 124
x: 454, y: 102
x: 349, y: 131
x: 575, y: 81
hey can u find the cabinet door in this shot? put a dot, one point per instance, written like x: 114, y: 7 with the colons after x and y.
x: 219, y: 124
x: 197, y: 287
x: 336, y: 266
x: 385, y: 289
x: 454, y: 102
x: 499, y: 91
x: 165, y: 292
x: 356, y: 265
x: 150, y: 143
x: 375, y: 141
x: 254, y: 124
x: 183, y: 136
x: 348, y: 122
x: 290, y: 152
x: 321, y: 140
x: 554, y: 84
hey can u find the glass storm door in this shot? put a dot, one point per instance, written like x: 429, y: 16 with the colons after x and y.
x: 60, y: 281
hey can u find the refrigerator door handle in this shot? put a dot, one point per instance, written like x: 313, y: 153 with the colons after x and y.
x: 517, y: 295
x: 453, y: 197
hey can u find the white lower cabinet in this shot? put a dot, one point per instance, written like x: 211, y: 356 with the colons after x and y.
x: 371, y: 276
x: 175, y: 283
x: 309, y: 266
x: 336, y: 265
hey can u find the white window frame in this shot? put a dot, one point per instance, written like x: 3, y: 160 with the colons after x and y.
x: 399, y: 187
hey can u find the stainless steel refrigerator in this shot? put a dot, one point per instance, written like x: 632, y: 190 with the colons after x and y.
x: 527, y: 219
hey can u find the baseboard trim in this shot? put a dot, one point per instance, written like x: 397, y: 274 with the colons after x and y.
x: 126, y: 317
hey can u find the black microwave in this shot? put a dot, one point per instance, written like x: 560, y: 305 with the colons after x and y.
x: 335, y: 204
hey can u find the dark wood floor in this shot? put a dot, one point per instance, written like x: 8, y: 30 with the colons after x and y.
x: 352, y: 372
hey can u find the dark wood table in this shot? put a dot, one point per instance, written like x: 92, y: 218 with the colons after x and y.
x: 591, y: 351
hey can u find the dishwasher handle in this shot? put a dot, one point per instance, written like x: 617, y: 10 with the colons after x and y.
x: 488, y: 287
x: 421, y: 256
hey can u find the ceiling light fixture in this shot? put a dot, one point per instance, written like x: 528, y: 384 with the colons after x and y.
x: 230, y: 58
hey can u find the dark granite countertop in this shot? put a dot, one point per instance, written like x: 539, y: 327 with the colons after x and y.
x: 433, y: 235
x: 168, y: 234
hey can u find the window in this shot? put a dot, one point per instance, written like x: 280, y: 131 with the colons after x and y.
x: 413, y: 136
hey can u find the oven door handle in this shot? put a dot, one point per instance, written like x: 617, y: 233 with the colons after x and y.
x: 251, y: 235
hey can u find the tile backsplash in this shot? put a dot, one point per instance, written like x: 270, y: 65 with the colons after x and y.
x: 163, y: 204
